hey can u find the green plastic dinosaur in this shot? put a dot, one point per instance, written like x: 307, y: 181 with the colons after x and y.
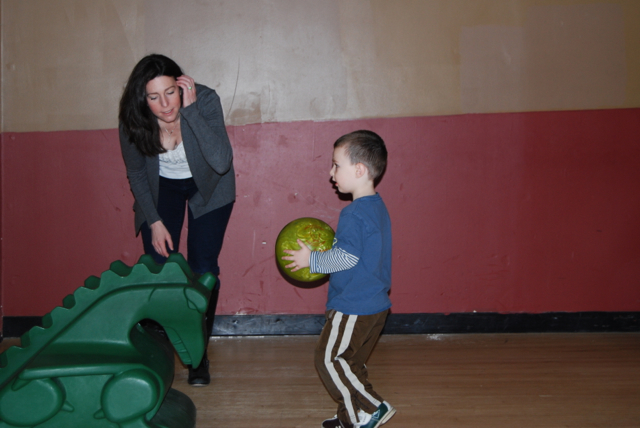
x: 92, y: 365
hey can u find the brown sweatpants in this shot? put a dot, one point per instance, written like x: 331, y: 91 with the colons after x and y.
x: 344, y: 346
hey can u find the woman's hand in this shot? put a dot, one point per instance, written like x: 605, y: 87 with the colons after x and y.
x: 159, y: 236
x: 188, y: 86
x: 300, y: 258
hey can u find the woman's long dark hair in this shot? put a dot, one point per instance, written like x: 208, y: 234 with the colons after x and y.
x: 138, y: 122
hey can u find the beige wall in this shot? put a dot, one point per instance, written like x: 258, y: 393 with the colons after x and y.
x: 64, y: 62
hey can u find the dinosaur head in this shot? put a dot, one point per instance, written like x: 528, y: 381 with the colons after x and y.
x: 182, y: 316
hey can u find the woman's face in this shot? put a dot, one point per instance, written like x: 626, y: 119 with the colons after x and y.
x: 163, y: 98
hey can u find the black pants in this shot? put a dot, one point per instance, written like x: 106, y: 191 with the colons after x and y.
x: 206, y: 233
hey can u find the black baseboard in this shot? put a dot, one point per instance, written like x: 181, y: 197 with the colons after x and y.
x: 17, y: 326
x: 555, y: 322
x: 265, y: 325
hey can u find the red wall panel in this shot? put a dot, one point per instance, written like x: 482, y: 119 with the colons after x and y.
x: 526, y: 212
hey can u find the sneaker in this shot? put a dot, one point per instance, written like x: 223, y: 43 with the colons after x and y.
x: 363, y: 418
x: 334, y: 422
x: 382, y: 415
x: 199, y: 376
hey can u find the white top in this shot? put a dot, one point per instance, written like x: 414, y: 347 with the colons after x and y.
x: 173, y: 163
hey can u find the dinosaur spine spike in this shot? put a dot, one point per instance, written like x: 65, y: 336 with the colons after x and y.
x: 69, y: 301
x: 120, y: 268
x: 148, y: 261
x: 47, y: 321
x: 92, y: 283
x: 13, y: 353
x: 31, y: 336
x: 180, y: 261
x: 83, y: 295
x: 58, y: 315
x: 25, y: 339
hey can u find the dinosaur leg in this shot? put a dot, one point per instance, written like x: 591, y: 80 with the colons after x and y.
x: 29, y: 403
x: 129, y: 396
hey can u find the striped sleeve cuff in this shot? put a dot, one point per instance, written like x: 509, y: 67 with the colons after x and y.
x: 330, y: 261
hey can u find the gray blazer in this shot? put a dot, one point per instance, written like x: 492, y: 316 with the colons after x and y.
x: 209, y: 154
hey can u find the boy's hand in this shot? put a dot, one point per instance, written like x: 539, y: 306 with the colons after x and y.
x: 300, y: 258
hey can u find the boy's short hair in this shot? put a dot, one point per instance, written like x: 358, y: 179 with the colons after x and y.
x: 365, y: 147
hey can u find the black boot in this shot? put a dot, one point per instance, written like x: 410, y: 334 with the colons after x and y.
x: 199, y: 376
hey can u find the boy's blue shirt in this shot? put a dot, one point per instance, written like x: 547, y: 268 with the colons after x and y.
x: 364, y: 230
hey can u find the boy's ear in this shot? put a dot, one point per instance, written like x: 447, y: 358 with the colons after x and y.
x: 361, y: 169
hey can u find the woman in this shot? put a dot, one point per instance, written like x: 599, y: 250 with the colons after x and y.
x: 177, y: 153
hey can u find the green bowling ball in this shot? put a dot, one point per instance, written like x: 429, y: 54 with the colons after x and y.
x: 318, y: 236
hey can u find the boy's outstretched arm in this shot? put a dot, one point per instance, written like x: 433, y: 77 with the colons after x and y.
x: 300, y: 258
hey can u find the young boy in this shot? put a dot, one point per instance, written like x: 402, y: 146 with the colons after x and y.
x: 360, y: 266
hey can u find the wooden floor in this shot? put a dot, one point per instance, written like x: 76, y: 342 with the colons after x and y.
x: 501, y: 380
